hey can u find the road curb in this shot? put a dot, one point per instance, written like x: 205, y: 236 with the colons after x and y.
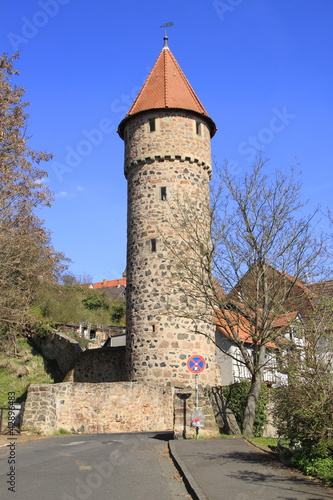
x: 188, y: 479
x: 260, y: 447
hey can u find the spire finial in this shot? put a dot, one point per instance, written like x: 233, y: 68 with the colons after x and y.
x: 165, y: 38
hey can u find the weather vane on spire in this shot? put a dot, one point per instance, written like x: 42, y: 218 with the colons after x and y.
x: 165, y: 26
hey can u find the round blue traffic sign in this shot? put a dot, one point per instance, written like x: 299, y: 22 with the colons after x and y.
x: 196, y: 364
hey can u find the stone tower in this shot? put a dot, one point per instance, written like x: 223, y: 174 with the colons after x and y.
x: 167, y: 136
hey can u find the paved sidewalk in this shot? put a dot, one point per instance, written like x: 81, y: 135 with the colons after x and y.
x: 232, y: 469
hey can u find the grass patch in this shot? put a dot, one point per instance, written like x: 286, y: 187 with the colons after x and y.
x: 62, y: 432
x: 264, y: 442
x: 19, y: 371
x: 230, y: 435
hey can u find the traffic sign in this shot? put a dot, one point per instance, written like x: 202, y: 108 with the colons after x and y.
x: 197, y: 419
x: 196, y: 364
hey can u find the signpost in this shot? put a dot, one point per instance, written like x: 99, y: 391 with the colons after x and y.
x: 196, y: 364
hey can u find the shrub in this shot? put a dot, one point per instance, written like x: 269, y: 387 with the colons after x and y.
x: 235, y: 396
x: 42, y: 328
x: 311, y: 463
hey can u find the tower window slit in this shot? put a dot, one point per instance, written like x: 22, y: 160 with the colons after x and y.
x: 198, y: 127
x: 163, y: 193
x: 153, y: 245
x: 152, y: 124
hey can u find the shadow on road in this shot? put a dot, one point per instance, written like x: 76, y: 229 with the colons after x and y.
x: 163, y: 436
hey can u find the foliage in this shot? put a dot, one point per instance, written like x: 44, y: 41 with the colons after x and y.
x: 71, y: 279
x: 118, y: 312
x: 236, y: 395
x: 304, y: 407
x: 74, y: 304
x: 42, y: 328
x: 18, y: 371
x: 94, y: 302
x: 312, y: 463
x: 27, y: 259
x: 83, y: 343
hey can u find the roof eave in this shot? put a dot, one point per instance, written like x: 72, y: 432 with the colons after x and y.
x: 202, y: 116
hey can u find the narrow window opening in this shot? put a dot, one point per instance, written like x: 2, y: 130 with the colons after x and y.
x: 153, y: 245
x: 198, y: 127
x: 153, y: 326
x: 152, y: 124
x: 163, y: 193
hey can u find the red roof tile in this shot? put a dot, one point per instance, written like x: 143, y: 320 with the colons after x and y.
x: 167, y: 88
x: 233, y: 324
x: 105, y: 283
x: 285, y: 319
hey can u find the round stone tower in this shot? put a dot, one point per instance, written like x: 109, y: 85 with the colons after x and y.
x: 167, y: 136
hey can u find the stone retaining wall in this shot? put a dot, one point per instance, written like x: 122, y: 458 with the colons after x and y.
x: 99, y: 365
x: 98, y: 408
x: 58, y: 346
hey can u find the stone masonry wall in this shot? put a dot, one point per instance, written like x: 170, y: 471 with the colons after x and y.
x: 99, y: 365
x: 175, y: 136
x: 58, y: 346
x: 177, y: 158
x: 98, y: 408
x: 183, y: 409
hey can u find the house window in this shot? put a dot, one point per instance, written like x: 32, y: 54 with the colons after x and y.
x: 151, y: 124
x: 198, y: 127
x: 163, y: 193
x: 153, y: 245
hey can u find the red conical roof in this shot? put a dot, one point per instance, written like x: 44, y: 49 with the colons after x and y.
x: 167, y: 87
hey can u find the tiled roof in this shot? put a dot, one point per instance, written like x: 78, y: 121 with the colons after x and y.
x: 233, y: 324
x: 167, y: 88
x: 322, y: 288
x: 114, y: 292
x: 106, y: 284
x: 285, y: 319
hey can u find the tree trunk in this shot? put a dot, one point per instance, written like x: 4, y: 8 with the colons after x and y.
x: 251, y: 404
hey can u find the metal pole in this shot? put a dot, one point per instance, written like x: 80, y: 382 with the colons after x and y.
x: 196, y: 401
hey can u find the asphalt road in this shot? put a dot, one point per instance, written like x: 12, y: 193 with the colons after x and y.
x: 94, y: 467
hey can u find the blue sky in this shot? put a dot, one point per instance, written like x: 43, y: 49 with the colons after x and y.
x: 263, y: 69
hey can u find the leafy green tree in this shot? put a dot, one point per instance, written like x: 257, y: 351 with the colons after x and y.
x: 95, y: 301
x: 118, y: 312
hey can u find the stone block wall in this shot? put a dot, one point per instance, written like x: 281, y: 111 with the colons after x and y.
x: 174, y: 136
x: 98, y: 408
x: 58, y: 346
x: 100, y: 365
x: 183, y: 409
